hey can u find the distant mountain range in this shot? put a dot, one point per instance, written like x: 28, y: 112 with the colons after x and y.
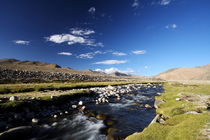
x: 195, y: 73
x: 15, y: 64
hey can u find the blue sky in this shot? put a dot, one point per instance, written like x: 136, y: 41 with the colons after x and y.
x: 143, y: 37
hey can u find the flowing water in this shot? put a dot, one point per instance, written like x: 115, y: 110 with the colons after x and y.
x: 119, y: 118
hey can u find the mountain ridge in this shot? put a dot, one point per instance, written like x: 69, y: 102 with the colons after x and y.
x: 187, y: 73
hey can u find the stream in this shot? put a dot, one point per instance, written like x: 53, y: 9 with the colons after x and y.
x: 114, y: 112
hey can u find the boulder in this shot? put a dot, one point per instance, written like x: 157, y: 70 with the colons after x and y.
x: 101, y: 117
x: 13, y: 98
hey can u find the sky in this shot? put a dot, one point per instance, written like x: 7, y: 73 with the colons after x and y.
x: 140, y: 37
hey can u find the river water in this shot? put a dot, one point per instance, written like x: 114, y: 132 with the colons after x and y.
x: 114, y: 120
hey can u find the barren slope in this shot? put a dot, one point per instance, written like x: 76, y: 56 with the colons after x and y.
x: 196, y: 73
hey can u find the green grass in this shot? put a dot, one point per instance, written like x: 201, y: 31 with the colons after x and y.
x: 45, y: 100
x: 21, y: 88
x: 11, y: 105
x: 179, y: 126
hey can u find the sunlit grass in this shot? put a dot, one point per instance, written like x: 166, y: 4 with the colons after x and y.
x: 179, y: 126
x: 17, y: 88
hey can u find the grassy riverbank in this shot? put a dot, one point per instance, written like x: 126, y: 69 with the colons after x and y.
x: 185, y: 108
x: 44, y: 91
x: 21, y: 88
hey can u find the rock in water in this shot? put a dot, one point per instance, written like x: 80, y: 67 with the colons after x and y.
x: 101, y: 117
x: 147, y: 106
x: 34, y: 120
x: 80, y: 103
x: 74, y: 106
x: 13, y: 98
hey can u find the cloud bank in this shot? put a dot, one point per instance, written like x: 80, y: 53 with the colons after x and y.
x: 90, y: 55
x: 111, y: 62
x: 139, y: 52
x: 119, y: 53
x: 112, y: 70
x: 65, y: 53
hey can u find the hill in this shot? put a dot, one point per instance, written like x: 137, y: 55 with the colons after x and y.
x: 195, y: 73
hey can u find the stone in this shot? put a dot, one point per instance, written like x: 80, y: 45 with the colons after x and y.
x: 110, y: 87
x: 110, y: 122
x: 34, y: 120
x: 13, y: 98
x: 147, y: 106
x: 80, y: 103
x: 161, y: 121
x: 55, y: 116
x: 178, y: 99
x: 53, y: 97
x: 55, y: 124
x: 82, y: 108
x: 101, y: 117
x: 74, y: 106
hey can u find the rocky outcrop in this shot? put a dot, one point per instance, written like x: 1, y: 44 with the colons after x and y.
x: 47, y: 76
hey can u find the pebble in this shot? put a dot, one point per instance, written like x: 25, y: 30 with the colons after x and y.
x: 147, y: 106
x: 74, y: 106
x: 55, y: 124
x: 13, y: 98
x: 80, y: 103
x: 34, y: 120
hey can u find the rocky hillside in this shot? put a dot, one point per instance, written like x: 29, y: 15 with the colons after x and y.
x: 196, y: 73
x: 12, y: 69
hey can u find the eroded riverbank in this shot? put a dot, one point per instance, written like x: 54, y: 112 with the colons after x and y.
x: 106, y: 112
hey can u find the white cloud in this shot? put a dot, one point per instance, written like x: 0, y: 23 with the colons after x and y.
x: 71, y: 39
x: 135, y: 4
x: 146, y: 67
x: 171, y: 26
x: 81, y: 32
x: 22, y: 42
x: 165, y: 2
x: 111, y: 62
x: 86, y: 56
x: 112, y: 70
x: 77, y: 36
x: 92, y: 10
x: 139, y: 52
x: 65, y: 53
x: 119, y: 53
x: 90, y: 55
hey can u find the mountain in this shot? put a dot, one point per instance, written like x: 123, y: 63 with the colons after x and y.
x: 195, y: 73
x: 34, y: 66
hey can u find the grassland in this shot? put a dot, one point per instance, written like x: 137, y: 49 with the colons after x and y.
x: 22, y: 88
x: 44, y: 91
x: 180, y: 125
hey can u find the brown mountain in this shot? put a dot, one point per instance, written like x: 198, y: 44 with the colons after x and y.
x: 195, y: 73
x: 14, y: 64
